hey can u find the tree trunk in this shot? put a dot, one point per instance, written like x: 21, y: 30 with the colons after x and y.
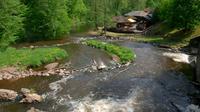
x: 198, y: 65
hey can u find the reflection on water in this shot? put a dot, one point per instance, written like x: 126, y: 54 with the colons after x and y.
x: 152, y: 83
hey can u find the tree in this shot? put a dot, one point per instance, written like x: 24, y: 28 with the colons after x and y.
x: 185, y: 14
x: 162, y: 9
x: 79, y: 13
x: 47, y: 19
x: 11, y: 21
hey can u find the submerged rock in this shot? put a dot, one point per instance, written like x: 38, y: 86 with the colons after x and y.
x: 192, y: 108
x: 8, y: 95
x: 34, y: 110
x: 101, y: 66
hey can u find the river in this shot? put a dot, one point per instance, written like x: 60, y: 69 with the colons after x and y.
x: 152, y: 83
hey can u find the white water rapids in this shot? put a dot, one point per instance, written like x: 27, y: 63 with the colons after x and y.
x: 132, y: 103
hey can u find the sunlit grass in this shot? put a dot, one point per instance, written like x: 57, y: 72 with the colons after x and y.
x: 125, y: 54
x: 27, y: 57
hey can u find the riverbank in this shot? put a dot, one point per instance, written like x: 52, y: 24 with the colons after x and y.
x: 27, y: 57
x: 24, y: 58
x: 111, y: 87
x: 15, y: 73
x: 159, y: 34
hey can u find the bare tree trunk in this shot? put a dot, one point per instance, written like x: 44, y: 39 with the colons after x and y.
x: 198, y: 65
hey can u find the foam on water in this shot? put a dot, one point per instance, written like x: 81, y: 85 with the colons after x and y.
x: 105, y: 105
x: 178, y: 57
x: 56, y: 87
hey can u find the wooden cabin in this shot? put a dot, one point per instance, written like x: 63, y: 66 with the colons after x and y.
x: 124, y: 24
x: 143, y: 18
x: 135, y: 21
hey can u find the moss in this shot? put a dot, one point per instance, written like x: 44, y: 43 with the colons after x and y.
x: 125, y: 54
x: 27, y: 57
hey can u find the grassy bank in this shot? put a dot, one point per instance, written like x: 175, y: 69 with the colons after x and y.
x: 160, y: 34
x: 125, y: 54
x: 27, y: 57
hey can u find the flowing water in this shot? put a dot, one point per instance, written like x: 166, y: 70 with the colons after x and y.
x: 153, y: 83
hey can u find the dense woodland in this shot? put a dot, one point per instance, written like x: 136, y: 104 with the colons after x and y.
x: 33, y: 20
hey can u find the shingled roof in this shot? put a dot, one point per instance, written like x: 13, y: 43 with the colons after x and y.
x: 122, y: 19
x: 140, y: 14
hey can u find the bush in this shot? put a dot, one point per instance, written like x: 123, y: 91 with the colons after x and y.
x: 125, y: 54
x: 30, y: 57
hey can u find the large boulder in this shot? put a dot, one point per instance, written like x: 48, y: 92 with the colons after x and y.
x: 195, y: 42
x: 194, y: 45
x: 30, y: 97
x: 51, y: 66
x: 8, y: 95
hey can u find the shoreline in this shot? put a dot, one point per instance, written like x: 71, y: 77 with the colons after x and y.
x: 12, y: 73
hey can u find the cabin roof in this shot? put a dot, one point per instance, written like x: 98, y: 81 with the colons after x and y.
x: 122, y: 19
x: 147, y: 15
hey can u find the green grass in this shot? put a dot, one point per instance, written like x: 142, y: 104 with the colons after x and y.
x: 125, y: 54
x: 160, y: 34
x: 26, y: 57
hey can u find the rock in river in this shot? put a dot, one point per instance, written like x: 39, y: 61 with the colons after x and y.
x: 34, y: 110
x: 8, y: 95
x: 51, y: 66
x: 29, y: 97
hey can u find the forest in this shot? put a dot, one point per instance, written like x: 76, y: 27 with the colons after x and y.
x: 63, y: 56
x: 34, y: 20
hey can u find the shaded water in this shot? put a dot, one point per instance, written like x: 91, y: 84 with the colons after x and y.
x: 153, y: 83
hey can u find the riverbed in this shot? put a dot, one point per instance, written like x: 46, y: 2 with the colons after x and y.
x: 152, y: 83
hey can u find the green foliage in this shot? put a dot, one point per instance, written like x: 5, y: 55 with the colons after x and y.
x: 184, y: 14
x: 162, y: 10
x: 47, y: 19
x: 125, y: 54
x: 11, y: 21
x: 30, y: 57
x: 79, y: 14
